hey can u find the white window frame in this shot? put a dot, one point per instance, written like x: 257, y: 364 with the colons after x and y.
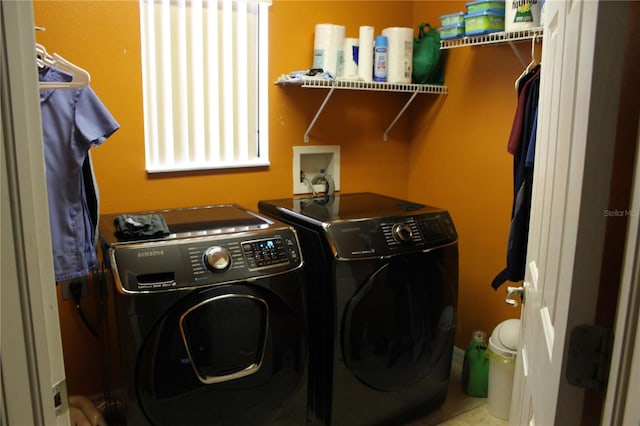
x: 206, y: 110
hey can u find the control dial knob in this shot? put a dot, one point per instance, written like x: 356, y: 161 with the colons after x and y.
x: 217, y: 259
x: 402, y: 233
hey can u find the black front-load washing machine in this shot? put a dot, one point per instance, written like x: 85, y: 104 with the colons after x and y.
x: 208, y: 319
x: 382, y: 277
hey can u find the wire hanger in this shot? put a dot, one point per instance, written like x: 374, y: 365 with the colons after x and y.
x: 531, y: 64
x: 80, y: 77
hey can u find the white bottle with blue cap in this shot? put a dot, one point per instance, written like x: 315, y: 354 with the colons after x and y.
x: 380, y: 58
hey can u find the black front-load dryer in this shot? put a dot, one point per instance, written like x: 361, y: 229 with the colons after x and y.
x: 208, y: 320
x: 382, y: 277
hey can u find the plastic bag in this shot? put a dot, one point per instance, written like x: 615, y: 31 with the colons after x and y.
x: 427, y: 60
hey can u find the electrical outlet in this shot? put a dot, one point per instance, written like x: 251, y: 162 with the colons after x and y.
x: 66, y: 293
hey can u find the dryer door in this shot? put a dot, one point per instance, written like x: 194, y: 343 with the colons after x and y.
x: 230, y: 354
x: 398, y: 328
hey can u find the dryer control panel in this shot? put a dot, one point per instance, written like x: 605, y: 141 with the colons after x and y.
x: 390, y: 236
x: 195, y: 262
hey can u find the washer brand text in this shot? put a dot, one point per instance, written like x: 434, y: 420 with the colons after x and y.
x: 352, y: 229
x: 151, y: 253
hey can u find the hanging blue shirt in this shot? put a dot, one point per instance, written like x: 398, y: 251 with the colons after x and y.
x: 73, y: 121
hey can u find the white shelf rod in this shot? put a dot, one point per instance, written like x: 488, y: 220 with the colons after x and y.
x: 372, y: 86
x: 492, y: 38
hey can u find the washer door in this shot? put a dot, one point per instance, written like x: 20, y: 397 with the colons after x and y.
x: 225, y: 336
x: 232, y: 354
x: 399, y: 324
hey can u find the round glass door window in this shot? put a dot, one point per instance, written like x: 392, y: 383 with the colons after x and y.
x: 231, y: 355
x: 395, y: 328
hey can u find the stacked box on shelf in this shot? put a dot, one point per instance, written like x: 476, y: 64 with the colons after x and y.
x: 451, y: 31
x: 452, y: 19
x: 480, y: 5
x: 484, y: 16
x: 484, y: 22
x: 452, y: 25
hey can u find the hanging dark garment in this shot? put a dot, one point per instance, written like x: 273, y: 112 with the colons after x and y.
x: 522, y: 146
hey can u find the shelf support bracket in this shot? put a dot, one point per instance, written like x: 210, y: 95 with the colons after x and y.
x: 315, y: 118
x: 386, y: 133
x: 513, y: 46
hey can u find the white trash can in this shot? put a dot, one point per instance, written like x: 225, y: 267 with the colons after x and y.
x: 503, y: 346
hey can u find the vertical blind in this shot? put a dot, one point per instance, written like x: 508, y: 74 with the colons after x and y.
x: 204, y: 78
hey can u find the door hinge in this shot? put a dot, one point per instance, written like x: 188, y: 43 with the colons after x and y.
x: 589, y: 356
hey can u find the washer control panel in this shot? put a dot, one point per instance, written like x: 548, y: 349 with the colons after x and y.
x: 266, y: 253
x: 391, y: 235
x: 196, y: 262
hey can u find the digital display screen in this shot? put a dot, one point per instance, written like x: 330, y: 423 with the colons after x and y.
x: 267, y: 244
x: 265, y: 252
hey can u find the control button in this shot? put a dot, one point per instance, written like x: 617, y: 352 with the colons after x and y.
x: 402, y: 232
x: 217, y: 259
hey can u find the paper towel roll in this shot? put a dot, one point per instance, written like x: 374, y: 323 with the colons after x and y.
x: 400, y: 56
x: 327, y: 47
x: 338, y: 41
x: 365, y: 53
x: 350, y: 57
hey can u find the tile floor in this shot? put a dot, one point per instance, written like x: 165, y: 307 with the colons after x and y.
x: 460, y: 409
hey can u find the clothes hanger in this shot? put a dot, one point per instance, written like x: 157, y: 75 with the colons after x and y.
x: 80, y: 77
x: 43, y: 59
x: 531, y: 64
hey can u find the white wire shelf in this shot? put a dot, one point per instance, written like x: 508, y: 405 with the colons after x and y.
x: 492, y: 38
x: 375, y: 86
x: 332, y: 85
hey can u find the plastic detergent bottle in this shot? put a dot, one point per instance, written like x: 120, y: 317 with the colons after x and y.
x: 380, y: 59
x: 475, y: 368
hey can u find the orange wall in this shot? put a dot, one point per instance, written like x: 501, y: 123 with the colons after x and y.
x: 447, y: 150
x: 458, y: 160
x: 103, y: 37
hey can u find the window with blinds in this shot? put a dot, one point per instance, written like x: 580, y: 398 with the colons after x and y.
x: 204, y: 78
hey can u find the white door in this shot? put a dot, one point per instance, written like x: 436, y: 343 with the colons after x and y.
x: 32, y: 377
x: 580, y: 82
x: 623, y: 386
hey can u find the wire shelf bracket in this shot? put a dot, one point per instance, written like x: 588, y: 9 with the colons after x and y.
x: 332, y: 85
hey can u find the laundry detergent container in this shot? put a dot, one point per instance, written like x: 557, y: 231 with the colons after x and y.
x: 502, y: 349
